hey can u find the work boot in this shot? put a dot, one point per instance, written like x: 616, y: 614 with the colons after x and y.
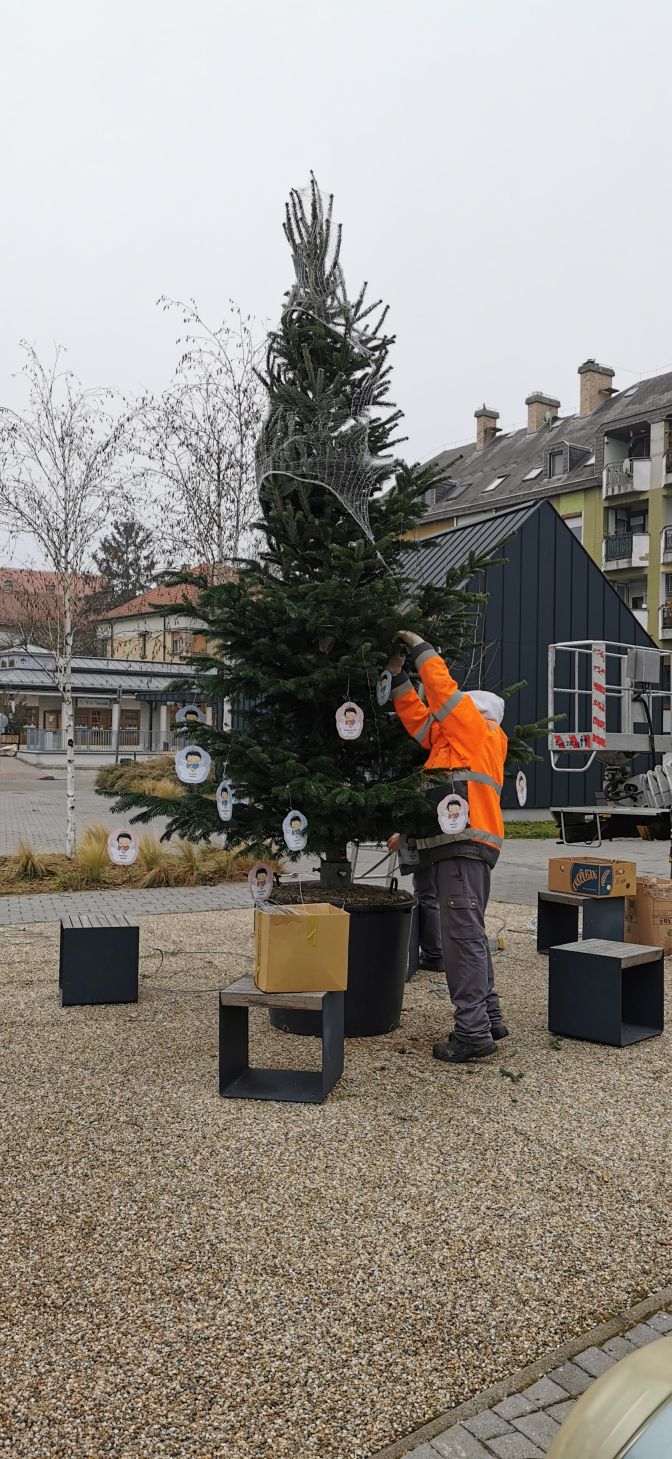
x: 497, y: 1031
x: 454, y: 1051
x: 429, y: 965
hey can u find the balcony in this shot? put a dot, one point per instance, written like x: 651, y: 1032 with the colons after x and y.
x: 621, y: 477
x: 666, y: 619
x: 102, y: 741
x: 626, y: 549
x: 666, y: 544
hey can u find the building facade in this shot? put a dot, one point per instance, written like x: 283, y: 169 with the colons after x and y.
x: 153, y: 628
x: 607, y: 471
x: 542, y: 588
x: 122, y: 707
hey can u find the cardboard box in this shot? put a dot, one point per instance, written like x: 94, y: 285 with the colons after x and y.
x: 648, y: 916
x: 592, y: 876
x: 302, y: 950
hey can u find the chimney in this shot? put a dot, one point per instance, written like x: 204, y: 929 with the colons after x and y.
x: 486, y: 426
x: 540, y: 408
x: 596, y: 386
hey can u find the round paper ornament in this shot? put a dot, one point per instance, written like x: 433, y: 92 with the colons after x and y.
x: 260, y: 882
x: 384, y: 687
x: 224, y: 799
x: 294, y: 830
x: 192, y: 764
x: 453, y: 814
x: 349, y: 720
x: 521, y: 787
x: 190, y: 714
x: 122, y: 847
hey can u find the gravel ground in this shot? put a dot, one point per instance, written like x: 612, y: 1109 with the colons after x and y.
x: 187, y: 1276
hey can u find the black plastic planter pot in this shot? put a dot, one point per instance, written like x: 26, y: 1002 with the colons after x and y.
x: 377, y: 966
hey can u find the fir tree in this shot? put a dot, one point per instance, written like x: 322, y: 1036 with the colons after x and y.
x: 126, y: 561
x: 313, y: 621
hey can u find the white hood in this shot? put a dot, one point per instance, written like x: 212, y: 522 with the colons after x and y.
x: 489, y: 705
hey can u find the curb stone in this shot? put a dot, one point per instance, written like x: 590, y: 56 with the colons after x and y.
x: 524, y: 1378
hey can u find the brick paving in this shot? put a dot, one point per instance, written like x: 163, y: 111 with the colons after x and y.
x: 32, y: 809
x: 523, y: 1425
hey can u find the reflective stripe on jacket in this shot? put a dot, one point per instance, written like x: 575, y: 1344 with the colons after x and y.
x: 459, y: 740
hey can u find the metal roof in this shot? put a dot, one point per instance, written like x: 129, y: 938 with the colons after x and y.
x: 441, y: 554
x: 512, y: 455
x: 84, y: 682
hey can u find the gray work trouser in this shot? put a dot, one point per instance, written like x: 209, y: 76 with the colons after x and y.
x: 429, y: 918
x: 464, y: 887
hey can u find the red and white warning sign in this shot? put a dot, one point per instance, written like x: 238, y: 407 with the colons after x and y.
x: 572, y: 742
x: 599, y: 701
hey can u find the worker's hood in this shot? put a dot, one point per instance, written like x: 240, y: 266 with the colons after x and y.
x: 489, y: 705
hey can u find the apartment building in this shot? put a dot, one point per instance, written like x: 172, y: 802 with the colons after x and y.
x: 607, y: 470
x: 153, y: 628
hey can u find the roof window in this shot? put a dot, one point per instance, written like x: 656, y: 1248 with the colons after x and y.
x: 494, y: 484
x: 533, y: 474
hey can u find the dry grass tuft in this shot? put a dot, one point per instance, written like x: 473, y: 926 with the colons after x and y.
x: 27, y: 865
x: 155, y: 867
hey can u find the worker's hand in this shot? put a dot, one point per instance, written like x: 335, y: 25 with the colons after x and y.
x: 393, y: 842
x: 410, y: 638
x: 395, y: 664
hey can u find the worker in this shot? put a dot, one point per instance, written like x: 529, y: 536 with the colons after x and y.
x: 426, y: 894
x: 465, y: 741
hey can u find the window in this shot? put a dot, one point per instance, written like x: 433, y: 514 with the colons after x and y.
x: 668, y: 584
x: 177, y: 644
x: 556, y: 463
x: 631, y: 519
x: 638, y: 599
x: 575, y: 525
x: 143, y: 645
x: 7, y: 585
x: 533, y: 474
x: 493, y: 484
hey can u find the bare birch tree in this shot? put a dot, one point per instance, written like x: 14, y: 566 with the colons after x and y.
x: 61, y: 465
x: 198, y: 440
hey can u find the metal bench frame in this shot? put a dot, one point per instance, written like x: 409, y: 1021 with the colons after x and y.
x: 301, y: 1086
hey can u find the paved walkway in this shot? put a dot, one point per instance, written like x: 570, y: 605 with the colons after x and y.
x: 523, y: 1424
x: 32, y: 806
x: 50, y: 907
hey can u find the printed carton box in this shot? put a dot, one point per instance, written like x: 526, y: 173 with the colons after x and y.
x: 648, y: 915
x: 592, y: 876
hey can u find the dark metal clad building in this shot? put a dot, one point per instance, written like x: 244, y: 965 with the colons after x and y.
x: 546, y: 590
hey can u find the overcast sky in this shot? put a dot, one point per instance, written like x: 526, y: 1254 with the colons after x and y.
x: 501, y: 169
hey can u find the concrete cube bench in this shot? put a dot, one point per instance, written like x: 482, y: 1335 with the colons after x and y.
x: 606, y: 992
x: 98, y: 960
x: 558, y: 918
x: 238, y: 1081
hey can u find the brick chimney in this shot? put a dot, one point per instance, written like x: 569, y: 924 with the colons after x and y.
x: 486, y: 426
x: 596, y: 386
x: 539, y: 406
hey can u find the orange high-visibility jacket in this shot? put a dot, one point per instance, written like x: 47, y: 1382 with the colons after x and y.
x: 459, y: 740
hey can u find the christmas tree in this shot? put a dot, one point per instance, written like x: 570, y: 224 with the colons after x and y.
x: 311, y: 624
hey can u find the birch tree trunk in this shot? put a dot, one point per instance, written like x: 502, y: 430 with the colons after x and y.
x: 68, y: 721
